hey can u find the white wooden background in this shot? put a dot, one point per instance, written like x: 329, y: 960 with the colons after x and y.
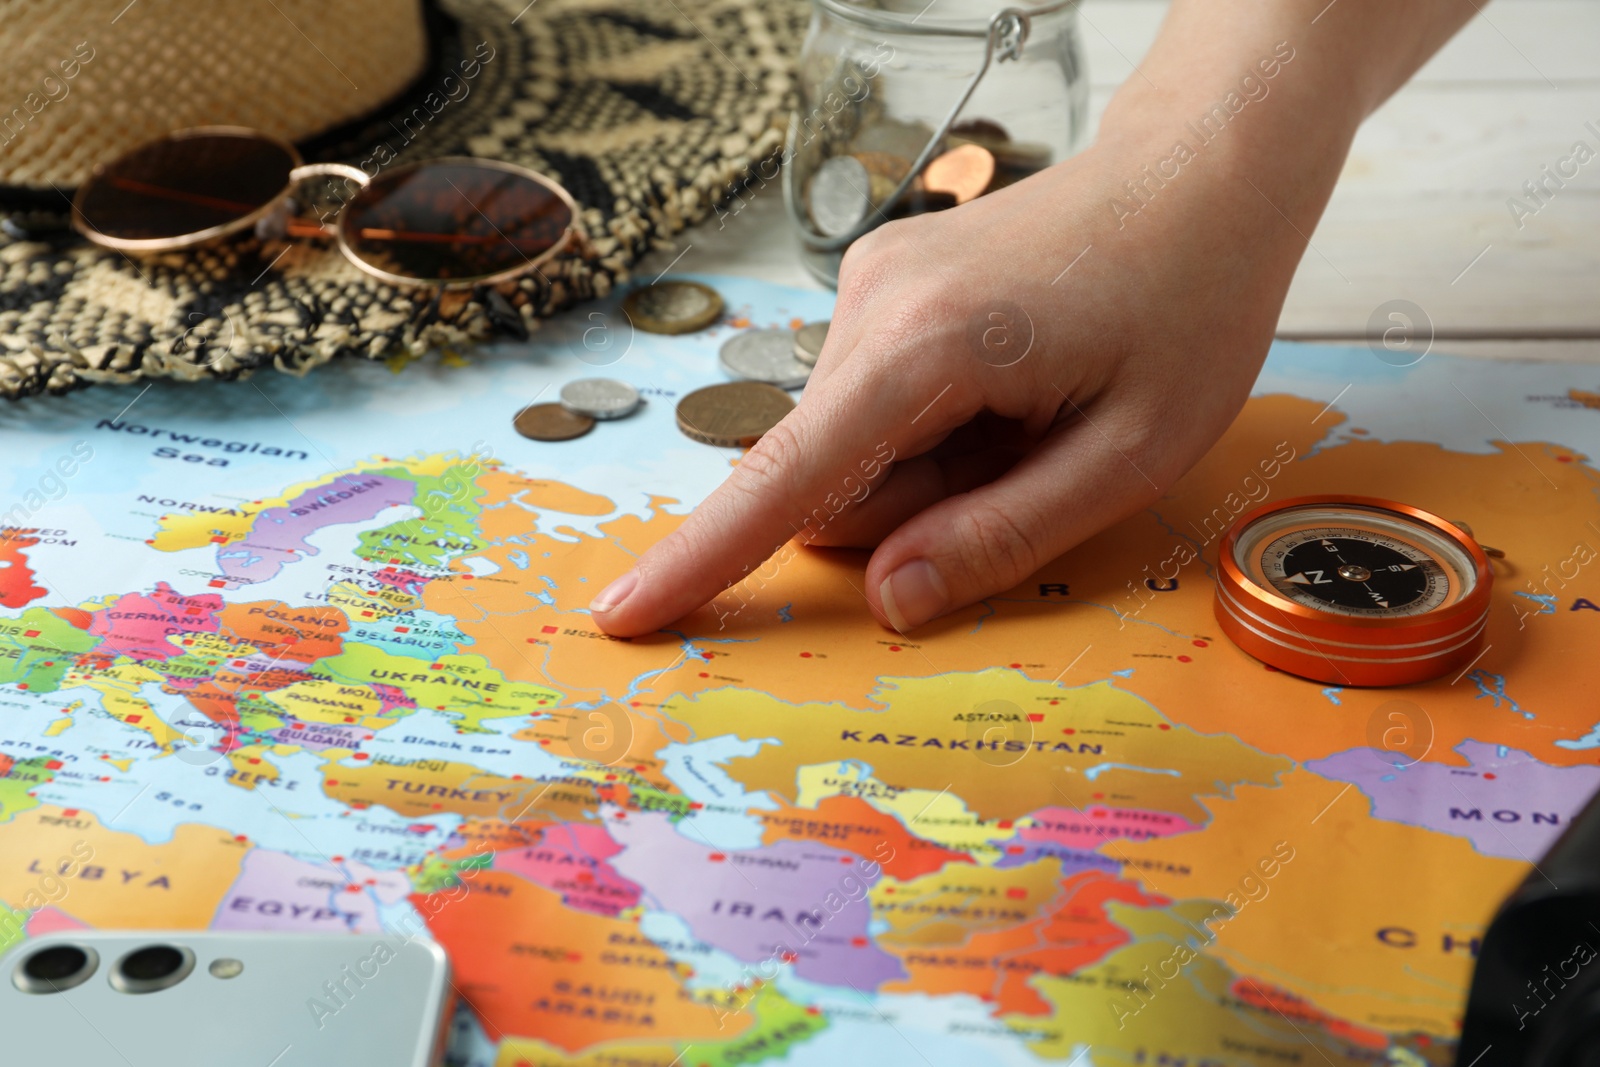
x: 1420, y: 211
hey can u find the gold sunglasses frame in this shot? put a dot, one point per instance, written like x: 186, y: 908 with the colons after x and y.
x: 299, y: 172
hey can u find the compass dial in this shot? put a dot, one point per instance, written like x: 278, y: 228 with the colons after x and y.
x: 1356, y: 561
x: 1352, y: 572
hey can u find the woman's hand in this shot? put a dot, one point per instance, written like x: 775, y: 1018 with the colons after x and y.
x: 1005, y: 379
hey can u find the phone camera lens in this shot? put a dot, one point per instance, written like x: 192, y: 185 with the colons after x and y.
x: 152, y: 968
x: 55, y: 969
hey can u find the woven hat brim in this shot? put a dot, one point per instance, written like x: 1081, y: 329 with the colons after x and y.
x: 648, y: 114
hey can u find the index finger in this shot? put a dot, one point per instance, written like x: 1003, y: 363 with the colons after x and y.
x: 828, y: 452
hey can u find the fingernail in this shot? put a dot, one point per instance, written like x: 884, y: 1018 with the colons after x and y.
x: 615, y: 593
x: 913, y: 594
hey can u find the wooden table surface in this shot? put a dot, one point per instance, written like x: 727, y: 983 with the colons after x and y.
x: 1420, y: 212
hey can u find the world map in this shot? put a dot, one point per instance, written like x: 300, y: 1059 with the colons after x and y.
x: 315, y: 656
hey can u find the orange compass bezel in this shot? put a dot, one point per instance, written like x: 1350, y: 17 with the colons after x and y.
x: 1344, y: 649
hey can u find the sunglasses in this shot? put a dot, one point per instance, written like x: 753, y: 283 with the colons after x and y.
x: 454, y: 222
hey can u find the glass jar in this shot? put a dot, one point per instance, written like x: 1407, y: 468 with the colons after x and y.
x: 909, y: 106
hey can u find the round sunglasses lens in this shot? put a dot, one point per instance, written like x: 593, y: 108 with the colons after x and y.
x: 453, y: 221
x: 185, y: 186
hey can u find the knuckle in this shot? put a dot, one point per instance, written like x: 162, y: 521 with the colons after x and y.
x: 996, y: 546
x: 871, y: 263
x: 763, y: 472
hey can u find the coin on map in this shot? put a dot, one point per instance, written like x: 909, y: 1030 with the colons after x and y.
x: 808, y: 341
x: 839, y: 196
x: 673, y: 307
x: 764, y: 356
x: 734, y: 414
x: 551, y: 422
x: 963, y: 172
x: 600, y: 398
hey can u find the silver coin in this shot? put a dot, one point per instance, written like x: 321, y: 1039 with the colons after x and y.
x: 840, y: 195
x: 764, y: 356
x: 808, y: 341
x: 600, y: 398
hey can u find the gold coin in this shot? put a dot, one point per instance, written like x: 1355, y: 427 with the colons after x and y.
x: 732, y: 415
x: 884, y: 165
x: 551, y: 422
x: 963, y: 172
x: 673, y: 307
x: 986, y: 132
x: 904, y: 139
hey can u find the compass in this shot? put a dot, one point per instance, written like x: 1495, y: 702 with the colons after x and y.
x: 1353, y: 590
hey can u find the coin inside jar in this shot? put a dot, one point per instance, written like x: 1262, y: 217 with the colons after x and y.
x: 734, y: 414
x: 884, y: 172
x: 673, y: 307
x: 839, y: 195
x: 600, y: 398
x: 904, y: 139
x: 808, y: 341
x: 963, y: 172
x: 551, y: 422
x: 764, y: 356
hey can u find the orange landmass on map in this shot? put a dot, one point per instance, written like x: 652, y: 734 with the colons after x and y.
x: 74, y: 616
x: 507, y: 496
x: 852, y: 824
x: 1262, y: 995
x: 1370, y: 949
x: 615, y: 739
x: 115, y: 880
x: 948, y: 906
x: 999, y: 965
x: 1535, y: 501
x: 16, y: 576
x: 571, y: 978
x: 303, y: 634
x: 427, y: 787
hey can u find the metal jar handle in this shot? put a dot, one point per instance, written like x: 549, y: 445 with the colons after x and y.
x: 1007, y: 32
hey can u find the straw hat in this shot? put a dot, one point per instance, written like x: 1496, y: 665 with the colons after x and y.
x: 648, y: 113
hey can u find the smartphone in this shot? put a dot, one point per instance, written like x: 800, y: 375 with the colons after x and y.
x: 195, y: 999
